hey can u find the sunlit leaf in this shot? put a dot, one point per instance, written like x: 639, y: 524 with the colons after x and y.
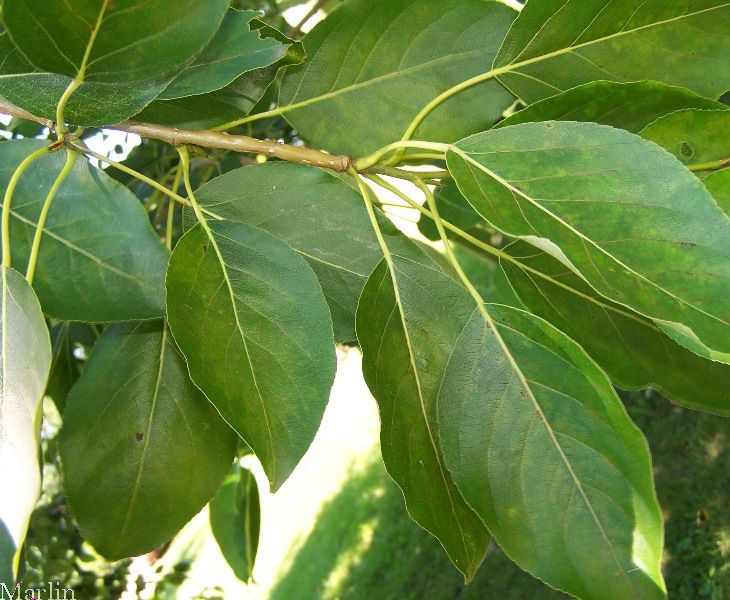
x: 25, y: 351
x: 641, y: 229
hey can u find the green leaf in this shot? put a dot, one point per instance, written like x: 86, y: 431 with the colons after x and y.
x: 555, y: 45
x: 718, y: 184
x: 250, y: 317
x: 632, y: 350
x: 629, y: 106
x: 373, y: 64
x: 66, y: 339
x: 660, y: 244
x: 406, y: 334
x: 317, y: 214
x: 454, y: 208
x: 143, y: 450
x: 233, y: 101
x: 100, y: 260
x: 25, y: 350
x: 139, y: 49
x: 693, y: 136
x: 235, y: 49
x: 542, y: 449
x: 235, y: 519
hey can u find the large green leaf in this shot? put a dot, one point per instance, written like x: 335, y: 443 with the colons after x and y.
x: 555, y: 45
x: 317, y: 214
x: 235, y: 520
x: 250, y: 317
x: 693, y: 136
x: 407, y: 330
x: 373, y: 64
x: 542, y: 449
x: 233, y: 101
x: 235, y: 49
x: 140, y: 47
x: 641, y: 229
x: 630, y: 106
x: 633, y: 350
x: 25, y: 353
x: 142, y: 449
x: 100, y: 260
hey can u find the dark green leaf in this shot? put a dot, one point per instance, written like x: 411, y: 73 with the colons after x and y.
x: 693, y: 136
x: 66, y: 339
x: 630, y: 106
x: 25, y: 351
x: 100, y: 260
x: 143, y: 450
x: 454, y: 208
x: 556, y: 45
x: 641, y: 229
x: 250, y: 317
x: 373, y: 64
x: 233, y: 101
x: 139, y: 49
x: 406, y: 334
x: 542, y: 449
x: 630, y: 348
x: 235, y: 49
x: 313, y: 211
x: 235, y: 519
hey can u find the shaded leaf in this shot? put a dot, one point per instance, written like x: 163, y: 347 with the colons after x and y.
x: 139, y: 49
x: 66, y: 339
x: 317, y: 214
x: 633, y: 350
x: 25, y: 350
x: 454, y: 208
x: 407, y: 327
x: 629, y: 106
x: 235, y: 49
x: 718, y: 184
x: 99, y: 260
x: 542, y: 449
x: 235, y: 519
x: 143, y: 450
x: 373, y: 64
x: 693, y: 136
x: 555, y: 45
x: 660, y: 244
x: 253, y: 324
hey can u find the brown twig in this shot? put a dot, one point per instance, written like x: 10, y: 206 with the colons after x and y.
x: 211, y: 139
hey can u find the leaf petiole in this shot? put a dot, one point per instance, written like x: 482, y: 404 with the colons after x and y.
x: 71, y: 157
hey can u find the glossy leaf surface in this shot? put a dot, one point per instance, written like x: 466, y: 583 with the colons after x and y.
x: 25, y: 353
x: 660, y: 244
x: 373, y: 64
x: 143, y: 450
x: 99, y: 260
x: 556, y: 45
x: 250, y: 317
